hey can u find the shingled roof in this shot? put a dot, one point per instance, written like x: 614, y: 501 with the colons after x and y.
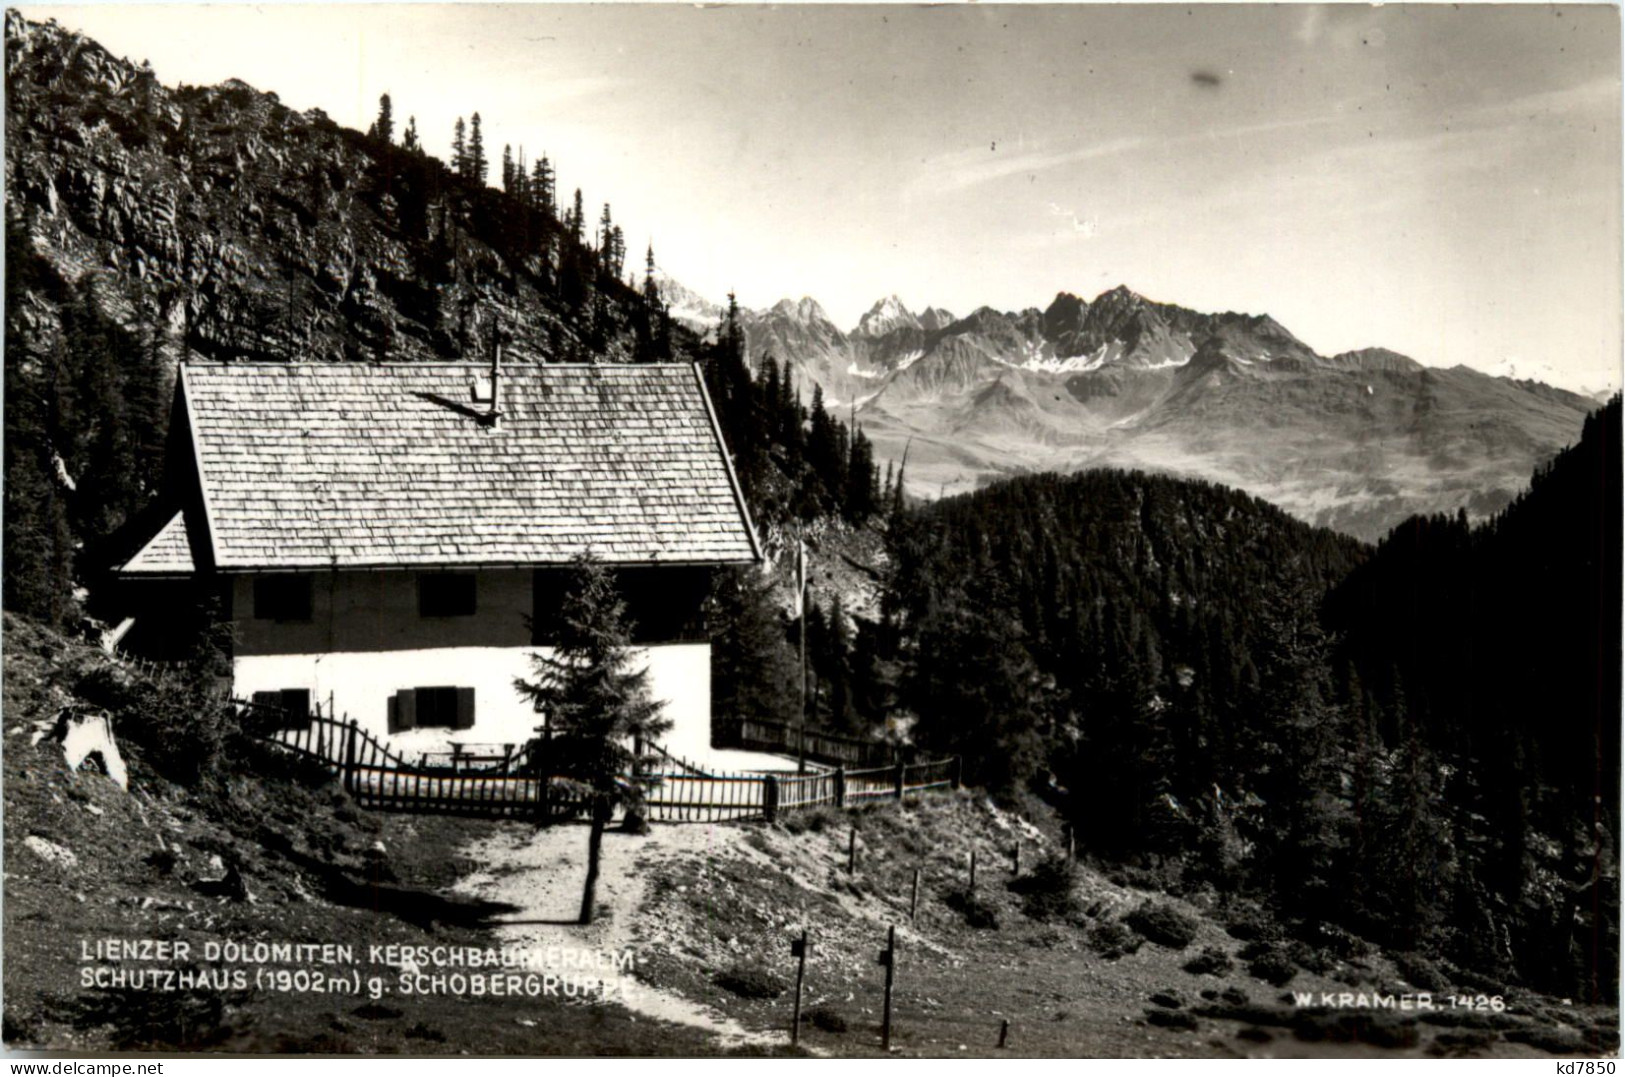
x: 390, y: 465
x: 166, y: 554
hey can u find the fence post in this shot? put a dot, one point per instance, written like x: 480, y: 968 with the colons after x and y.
x: 972, y: 888
x: 1015, y: 859
x: 1004, y: 1031
x: 539, y: 758
x: 348, y: 781
x: 889, y: 959
x: 840, y: 787
x: 1071, y: 845
x: 899, y: 780
x: 914, y: 900
x: 770, y: 797
x: 959, y: 765
x: 852, y: 851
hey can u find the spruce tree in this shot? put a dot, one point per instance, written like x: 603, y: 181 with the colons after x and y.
x: 409, y: 137
x: 507, y: 168
x: 578, y: 220
x: 541, y: 186
x: 477, y: 164
x: 384, y: 126
x: 753, y: 666
x: 459, y: 149
x: 594, y: 698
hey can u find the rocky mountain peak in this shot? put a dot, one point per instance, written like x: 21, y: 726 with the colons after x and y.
x: 933, y: 318
x: 885, y: 316
x: 1118, y: 297
x: 686, y: 306
x: 1064, y: 315
x: 805, y: 311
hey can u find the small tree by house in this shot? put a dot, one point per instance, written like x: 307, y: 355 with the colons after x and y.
x: 593, y: 695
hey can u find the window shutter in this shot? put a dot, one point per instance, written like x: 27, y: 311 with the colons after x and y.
x: 403, y: 710
x: 267, y: 699
x: 465, y: 709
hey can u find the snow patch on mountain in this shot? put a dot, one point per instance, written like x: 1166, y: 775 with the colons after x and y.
x: 686, y: 306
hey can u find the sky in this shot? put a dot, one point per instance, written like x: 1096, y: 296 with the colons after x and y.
x: 1442, y: 180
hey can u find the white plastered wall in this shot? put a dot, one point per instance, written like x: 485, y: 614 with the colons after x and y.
x: 365, y: 641
x: 361, y: 682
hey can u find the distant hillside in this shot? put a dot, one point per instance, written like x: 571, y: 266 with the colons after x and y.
x: 1356, y: 441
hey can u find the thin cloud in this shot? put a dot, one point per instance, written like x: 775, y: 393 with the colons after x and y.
x: 972, y: 168
x: 964, y: 169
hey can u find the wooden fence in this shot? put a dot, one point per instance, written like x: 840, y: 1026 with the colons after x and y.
x: 519, y: 784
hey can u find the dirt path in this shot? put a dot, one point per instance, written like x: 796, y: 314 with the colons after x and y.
x: 541, y: 873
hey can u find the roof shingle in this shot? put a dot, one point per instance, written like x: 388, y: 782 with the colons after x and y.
x: 351, y: 465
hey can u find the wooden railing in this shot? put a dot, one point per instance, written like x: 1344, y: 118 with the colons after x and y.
x: 522, y: 784
x: 832, y: 749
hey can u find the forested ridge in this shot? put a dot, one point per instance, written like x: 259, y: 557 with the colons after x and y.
x: 1419, y: 743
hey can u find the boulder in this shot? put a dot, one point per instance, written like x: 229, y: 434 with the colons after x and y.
x: 51, y: 852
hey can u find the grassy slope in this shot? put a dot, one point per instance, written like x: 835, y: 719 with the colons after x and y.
x: 307, y: 858
x: 728, y: 918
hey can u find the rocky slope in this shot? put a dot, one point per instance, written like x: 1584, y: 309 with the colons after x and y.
x: 216, y: 221
x: 1356, y: 441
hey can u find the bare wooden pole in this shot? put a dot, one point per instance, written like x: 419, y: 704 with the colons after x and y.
x: 1004, y: 1031
x: 914, y: 899
x: 801, y: 607
x: 852, y: 851
x: 972, y: 888
x: 798, y: 949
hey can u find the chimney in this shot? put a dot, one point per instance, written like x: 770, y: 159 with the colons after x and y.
x: 496, y: 375
x: 487, y: 390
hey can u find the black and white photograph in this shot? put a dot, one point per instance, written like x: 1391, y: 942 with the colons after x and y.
x: 837, y: 531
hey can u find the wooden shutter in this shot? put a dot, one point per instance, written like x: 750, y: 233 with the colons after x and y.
x: 267, y: 699
x: 403, y: 710
x: 465, y: 709
x: 296, y: 703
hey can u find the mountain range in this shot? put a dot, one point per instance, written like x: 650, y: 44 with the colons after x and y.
x: 1357, y: 441
x: 216, y: 221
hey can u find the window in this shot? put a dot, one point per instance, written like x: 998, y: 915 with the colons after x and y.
x: 446, y: 594
x: 663, y: 605
x: 293, y: 702
x: 431, y: 708
x: 282, y: 598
